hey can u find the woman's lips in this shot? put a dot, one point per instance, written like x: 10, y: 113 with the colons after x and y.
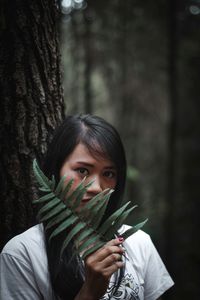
x: 86, y: 200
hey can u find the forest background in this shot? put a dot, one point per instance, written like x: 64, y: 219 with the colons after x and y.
x: 135, y: 63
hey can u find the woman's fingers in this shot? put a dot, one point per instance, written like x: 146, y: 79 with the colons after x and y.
x: 101, y: 264
x: 112, y: 247
x: 115, y: 242
x: 114, y: 257
x: 106, y: 267
x: 108, y: 255
x: 112, y: 268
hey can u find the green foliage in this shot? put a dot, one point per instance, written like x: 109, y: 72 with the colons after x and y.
x: 60, y: 209
x: 132, y: 173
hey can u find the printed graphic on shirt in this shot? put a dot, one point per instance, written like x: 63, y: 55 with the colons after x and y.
x: 128, y: 290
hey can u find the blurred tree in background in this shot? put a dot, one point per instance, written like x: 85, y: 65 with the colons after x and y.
x: 182, y: 221
x: 137, y: 65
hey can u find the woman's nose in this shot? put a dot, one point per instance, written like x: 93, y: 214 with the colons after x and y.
x: 96, y: 186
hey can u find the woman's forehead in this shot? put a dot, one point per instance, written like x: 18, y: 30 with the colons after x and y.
x: 97, y: 150
x: 93, y: 151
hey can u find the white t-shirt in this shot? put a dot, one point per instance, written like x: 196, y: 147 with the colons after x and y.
x: 145, y: 274
x: 24, y: 269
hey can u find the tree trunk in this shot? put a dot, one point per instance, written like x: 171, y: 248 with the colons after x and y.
x: 31, y: 103
x: 88, y: 66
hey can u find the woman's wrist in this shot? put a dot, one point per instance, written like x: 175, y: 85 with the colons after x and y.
x: 84, y: 294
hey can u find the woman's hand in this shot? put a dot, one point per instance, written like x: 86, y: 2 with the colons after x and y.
x: 99, y: 266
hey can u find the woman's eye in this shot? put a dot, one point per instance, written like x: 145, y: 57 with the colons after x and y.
x: 83, y: 171
x: 110, y: 174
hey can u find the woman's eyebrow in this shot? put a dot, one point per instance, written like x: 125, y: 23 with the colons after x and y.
x: 85, y: 163
x: 110, y: 167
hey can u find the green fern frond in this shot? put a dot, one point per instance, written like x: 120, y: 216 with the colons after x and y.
x: 60, y: 209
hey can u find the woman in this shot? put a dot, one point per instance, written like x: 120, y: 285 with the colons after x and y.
x: 84, y: 146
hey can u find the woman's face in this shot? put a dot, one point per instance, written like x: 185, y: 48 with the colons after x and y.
x: 80, y: 163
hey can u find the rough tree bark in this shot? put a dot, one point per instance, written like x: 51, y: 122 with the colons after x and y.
x: 31, y: 103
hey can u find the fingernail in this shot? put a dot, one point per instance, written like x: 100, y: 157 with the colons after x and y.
x: 120, y: 238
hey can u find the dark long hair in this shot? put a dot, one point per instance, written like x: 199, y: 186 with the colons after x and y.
x: 101, y: 139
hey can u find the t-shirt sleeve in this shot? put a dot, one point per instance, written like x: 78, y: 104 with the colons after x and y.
x: 156, y: 277
x: 17, y: 280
